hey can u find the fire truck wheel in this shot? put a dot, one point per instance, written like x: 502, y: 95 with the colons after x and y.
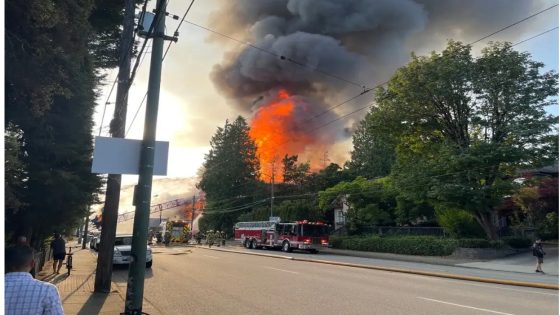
x: 254, y: 244
x: 246, y: 243
x: 286, y: 247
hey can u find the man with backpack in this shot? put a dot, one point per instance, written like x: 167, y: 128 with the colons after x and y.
x: 538, y: 252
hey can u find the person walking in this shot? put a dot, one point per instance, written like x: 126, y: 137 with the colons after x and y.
x: 538, y: 252
x: 23, y: 294
x: 58, y: 246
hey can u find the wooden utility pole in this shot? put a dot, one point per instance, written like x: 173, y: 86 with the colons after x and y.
x: 84, y: 240
x: 117, y: 129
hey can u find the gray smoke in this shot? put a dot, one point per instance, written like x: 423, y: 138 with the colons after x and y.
x: 362, y: 41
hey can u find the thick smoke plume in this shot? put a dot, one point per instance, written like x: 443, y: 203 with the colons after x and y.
x: 359, y: 41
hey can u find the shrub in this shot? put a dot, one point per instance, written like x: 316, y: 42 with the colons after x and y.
x: 458, y: 223
x: 548, y: 229
x: 406, y: 245
x: 479, y: 243
x: 518, y: 242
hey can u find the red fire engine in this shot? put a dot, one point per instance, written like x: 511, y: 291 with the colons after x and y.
x: 305, y: 235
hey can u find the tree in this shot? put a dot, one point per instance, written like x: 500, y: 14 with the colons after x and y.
x: 230, y: 176
x: 15, y: 175
x: 374, y: 143
x: 370, y: 202
x: 51, y: 78
x: 466, y: 125
x: 295, y: 174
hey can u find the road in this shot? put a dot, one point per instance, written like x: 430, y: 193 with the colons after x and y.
x: 200, y: 281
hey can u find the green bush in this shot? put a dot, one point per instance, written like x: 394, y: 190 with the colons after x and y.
x: 458, y: 223
x: 548, y: 228
x: 405, y: 245
x: 518, y: 242
x: 479, y: 243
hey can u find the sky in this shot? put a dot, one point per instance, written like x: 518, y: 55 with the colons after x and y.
x: 207, y: 78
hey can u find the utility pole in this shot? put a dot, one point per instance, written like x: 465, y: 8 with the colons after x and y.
x: 325, y: 159
x: 84, y: 240
x: 104, y: 268
x: 192, y: 215
x: 272, y: 187
x: 137, y: 268
x: 193, y: 208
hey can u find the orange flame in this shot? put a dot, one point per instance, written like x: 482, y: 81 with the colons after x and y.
x: 276, y: 132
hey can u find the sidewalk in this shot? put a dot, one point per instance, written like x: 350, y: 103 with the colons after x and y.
x: 76, y: 290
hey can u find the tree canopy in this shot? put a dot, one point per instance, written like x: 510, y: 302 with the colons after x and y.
x: 52, y: 73
x: 467, y: 123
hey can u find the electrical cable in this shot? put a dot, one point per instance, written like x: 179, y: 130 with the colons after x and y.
x: 281, y: 57
x: 535, y: 36
x: 162, y: 59
x: 513, y: 24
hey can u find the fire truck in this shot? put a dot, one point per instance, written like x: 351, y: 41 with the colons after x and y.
x: 304, y: 235
x: 176, y: 231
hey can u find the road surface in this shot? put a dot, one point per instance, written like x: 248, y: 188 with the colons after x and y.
x: 199, y: 281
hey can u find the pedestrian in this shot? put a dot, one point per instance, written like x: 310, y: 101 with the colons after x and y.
x: 538, y: 252
x: 58, y: 246
x: 22, y: 293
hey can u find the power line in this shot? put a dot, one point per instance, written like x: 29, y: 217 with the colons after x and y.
x: 281, y: 57
x: 106, y: 103
x: 513, y: 24
x: 176, y: 33
x: 535, y: 36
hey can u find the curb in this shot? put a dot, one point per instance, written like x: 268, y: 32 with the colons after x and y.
x: 408, y: 271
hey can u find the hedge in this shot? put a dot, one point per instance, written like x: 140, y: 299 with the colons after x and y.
x: 518, y: 242
x: 406, y: 245
x: 479, y: 243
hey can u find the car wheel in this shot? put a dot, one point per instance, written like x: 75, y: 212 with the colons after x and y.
x: 149, y: 264
x: 286, y: 247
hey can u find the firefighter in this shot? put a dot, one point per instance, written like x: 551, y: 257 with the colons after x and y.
x: 210, y: 238
x: 167, y: 238
x: 218, y: 238
x: 223, y: 237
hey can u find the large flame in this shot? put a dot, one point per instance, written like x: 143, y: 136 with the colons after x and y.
x: 277, y: 132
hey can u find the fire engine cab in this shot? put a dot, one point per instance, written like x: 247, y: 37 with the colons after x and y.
x: 304, y: 235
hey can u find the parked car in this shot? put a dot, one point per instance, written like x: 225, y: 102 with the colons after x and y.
x: 122, y: 249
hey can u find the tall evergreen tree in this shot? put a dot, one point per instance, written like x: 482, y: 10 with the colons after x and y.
x: 51, y: 78
x: 230, y: 176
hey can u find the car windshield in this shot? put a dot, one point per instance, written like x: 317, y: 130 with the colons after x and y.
x: 123, y: 241
x: 315, y: 230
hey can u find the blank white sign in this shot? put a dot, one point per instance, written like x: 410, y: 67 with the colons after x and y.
x: 122, y: 156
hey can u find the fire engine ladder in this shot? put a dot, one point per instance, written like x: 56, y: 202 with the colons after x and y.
x: 155, y: 208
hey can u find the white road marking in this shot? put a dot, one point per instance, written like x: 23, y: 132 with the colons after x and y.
x: 465, y: 306
x: 294, y: 272
x: 210, y: 256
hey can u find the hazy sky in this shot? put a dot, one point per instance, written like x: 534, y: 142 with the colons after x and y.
x: 192, y: 105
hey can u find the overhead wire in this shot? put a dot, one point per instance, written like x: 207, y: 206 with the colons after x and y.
x: 162, y: 59
x: 381, y: 84
x: 366, y: 90
x: 535, y: 36
x: 276, y: 55
x: 513, y: 24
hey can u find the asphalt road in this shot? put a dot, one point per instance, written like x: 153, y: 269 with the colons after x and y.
x: 199, y: 281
